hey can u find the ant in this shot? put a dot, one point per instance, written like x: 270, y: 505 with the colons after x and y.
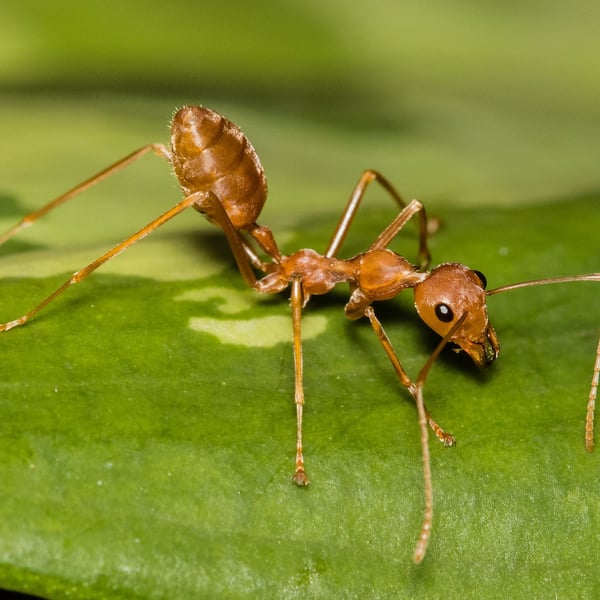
x: 221, y: 177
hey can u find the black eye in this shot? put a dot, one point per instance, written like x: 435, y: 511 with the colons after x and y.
x: 481, y: 278
x: 444, y: 313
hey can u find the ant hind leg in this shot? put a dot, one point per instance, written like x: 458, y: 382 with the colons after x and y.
x: 80, y: 275
x: 158, y: 149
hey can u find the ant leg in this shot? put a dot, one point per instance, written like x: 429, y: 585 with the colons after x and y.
x: 427, y: 523
x: 300, y: 476
x: 589, y: 419
x: 83, y: 273
x: 343, y: 226
x: 351, y: 209
x: 424, y: 418
x: 210, y: 205
x: 245, y: 257
x: 27, y: 220
x: 252, y: 256
x: 255, y: 260
x: 417, y: 393
x: 388, y: 234
x: 446, y: 438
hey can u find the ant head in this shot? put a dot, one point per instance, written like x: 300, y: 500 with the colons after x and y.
x: 452, y: 292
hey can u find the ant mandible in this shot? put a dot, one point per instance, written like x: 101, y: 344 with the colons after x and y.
x: 222, y: 178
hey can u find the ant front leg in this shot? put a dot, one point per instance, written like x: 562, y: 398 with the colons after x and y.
x: 424, y: 418
x: 446, y: 438
x: 416, y: 389
x: 351, y: 209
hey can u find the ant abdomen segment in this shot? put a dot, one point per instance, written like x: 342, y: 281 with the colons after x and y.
x: 210, y: 153
x: 221, y: 177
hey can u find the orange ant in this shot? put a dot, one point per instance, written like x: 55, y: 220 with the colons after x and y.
x: 222, y: 178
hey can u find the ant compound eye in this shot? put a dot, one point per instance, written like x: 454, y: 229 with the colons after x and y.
x: 444, y: 313
x: 481, y: 278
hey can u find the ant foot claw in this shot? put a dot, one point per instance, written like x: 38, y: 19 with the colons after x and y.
x: 448, y: 440
x: 300, y: 478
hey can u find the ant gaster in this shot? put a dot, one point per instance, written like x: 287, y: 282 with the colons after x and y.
x: 222, y: 178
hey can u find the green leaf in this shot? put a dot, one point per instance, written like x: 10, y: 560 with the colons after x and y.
x: 145, y: 456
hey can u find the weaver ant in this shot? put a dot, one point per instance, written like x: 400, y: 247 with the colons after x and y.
x: 222, y: 178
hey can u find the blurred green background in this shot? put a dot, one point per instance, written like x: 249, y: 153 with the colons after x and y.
x: 469, y: 101
x: 487, y: 112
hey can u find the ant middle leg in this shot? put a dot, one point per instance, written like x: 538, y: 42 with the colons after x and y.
x: 343, y: 226
x: 300, y: 477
